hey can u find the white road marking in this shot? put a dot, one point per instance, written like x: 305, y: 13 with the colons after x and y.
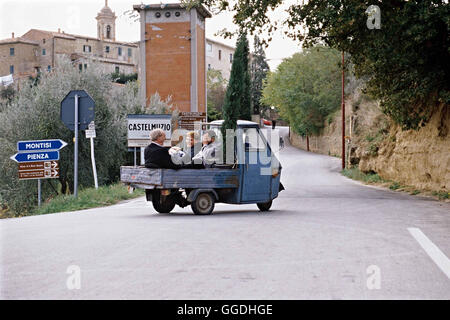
x: 432, y: 250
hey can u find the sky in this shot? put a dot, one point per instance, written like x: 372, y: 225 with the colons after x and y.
x: 78, y: 17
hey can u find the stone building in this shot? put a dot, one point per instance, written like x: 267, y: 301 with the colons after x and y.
x: 219, y: 56
x: 37, y: 50
x: 18, y: 56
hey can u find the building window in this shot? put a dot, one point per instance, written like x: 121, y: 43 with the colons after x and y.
x: 44, y: 52
x: 49, y: 68
x: 11, y: 51
x: 209, y: 47
x: 231, y: 57
x: 80, y: 67
x: 87, y: 48
x: 85, y: 66
x: 107, y: 49
x: 117, y: 70
x: 129, y: 52
x: 108, y: 32
x: 119, y: 49
x: 220, y: 54
x: 11, y: 69
x: 43, y: 40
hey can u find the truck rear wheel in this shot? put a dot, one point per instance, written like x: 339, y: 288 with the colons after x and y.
x: 162, y: 204
x: 203, y: 204
x: 265, y: 206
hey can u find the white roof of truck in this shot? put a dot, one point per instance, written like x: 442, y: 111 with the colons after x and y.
x: 239, y: 122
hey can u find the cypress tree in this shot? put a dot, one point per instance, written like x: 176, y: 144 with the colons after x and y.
x: 246, y: 108
x: 237, y: 98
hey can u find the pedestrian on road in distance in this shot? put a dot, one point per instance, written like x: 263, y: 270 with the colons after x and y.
x: 281, y: 142
x: 274, y: 122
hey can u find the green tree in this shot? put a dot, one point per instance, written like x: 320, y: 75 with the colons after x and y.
x: 405, y: 62
x: 246, y: 103
x: 259, y: 70
x: 237, y: 98
x: 216, y: 89
x: 305, y: 88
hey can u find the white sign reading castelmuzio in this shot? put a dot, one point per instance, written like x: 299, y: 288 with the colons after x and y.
x: 140, y: 125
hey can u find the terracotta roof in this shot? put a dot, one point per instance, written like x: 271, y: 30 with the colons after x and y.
x: 220, y: 43
x: 54, y: 34
x: 18, y: 40
x: 75, y: 36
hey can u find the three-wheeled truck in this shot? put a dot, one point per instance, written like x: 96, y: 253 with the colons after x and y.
x: 253, y: 177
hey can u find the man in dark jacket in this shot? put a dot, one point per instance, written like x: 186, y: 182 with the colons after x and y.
x: 157, y: 156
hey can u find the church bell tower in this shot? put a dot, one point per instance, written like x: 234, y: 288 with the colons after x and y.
x: 106, y: 23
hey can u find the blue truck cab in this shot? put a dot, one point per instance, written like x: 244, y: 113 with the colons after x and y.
x: 251, y: 174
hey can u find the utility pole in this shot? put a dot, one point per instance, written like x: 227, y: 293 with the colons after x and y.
x: 343, y: 115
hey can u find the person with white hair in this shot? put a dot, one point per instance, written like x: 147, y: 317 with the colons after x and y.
x: 208, y: 153
x: 156, y: 155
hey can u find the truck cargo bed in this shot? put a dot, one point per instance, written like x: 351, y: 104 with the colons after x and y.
x: 145, y: 178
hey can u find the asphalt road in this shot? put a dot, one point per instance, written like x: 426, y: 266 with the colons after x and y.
x: 327, y: 237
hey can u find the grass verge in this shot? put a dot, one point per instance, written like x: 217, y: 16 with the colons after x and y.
x: 89, y: 198
x: 356, y: 174
x: 374, y: 178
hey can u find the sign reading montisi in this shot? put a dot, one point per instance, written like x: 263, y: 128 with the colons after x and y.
x: 38, y: 159
x: 140, y: 125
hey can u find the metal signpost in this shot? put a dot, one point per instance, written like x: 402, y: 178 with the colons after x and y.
x: 139, y: 127
x: 38, y: 159
x: 77, y: 111
x: 90, y: 133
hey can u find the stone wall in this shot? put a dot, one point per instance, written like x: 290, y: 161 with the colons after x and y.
x: 419, y: 158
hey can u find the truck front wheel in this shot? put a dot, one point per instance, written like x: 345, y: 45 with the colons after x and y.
x: 264, y: 206
x: 203, y: 204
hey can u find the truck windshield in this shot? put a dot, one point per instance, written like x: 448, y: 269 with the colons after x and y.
x: 251, y: 137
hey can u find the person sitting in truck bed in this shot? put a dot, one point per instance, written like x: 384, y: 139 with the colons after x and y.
x: 156, y: 155
x: 193, y: 145
x: 207, y: 155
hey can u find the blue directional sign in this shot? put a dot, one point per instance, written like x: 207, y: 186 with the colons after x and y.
x: 38, y: 145
x: 36, y: 156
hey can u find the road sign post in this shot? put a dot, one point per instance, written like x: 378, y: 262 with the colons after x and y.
x: 39, y: 192
x: 38, y: 159
x: 75, y: 155
x: 140, y: 125
x: 38, y: 170
x: 90, y: 133
x: 77, y: 111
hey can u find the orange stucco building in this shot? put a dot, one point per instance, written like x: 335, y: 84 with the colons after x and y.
x: 172, y: 53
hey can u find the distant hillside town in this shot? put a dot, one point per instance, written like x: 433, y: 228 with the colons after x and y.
x: 37, y: 51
